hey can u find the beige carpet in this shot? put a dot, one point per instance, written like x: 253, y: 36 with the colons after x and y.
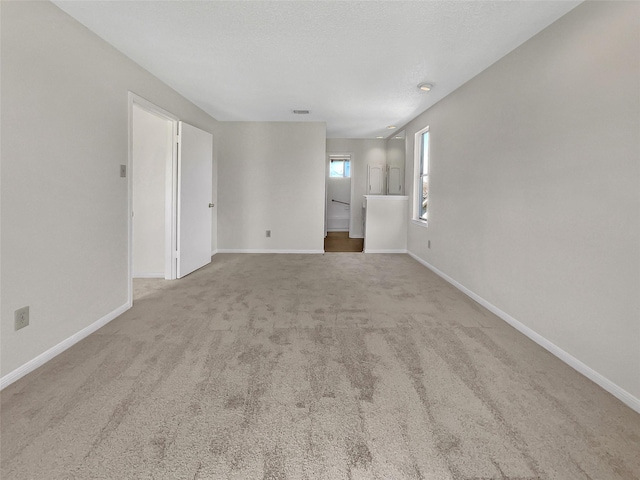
x: 335, y: 366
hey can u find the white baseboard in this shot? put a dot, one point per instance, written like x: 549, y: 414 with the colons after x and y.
x: 258, y: 250
x: 44, y: 357
x: 377, y: 250
x: 148, y: 275
x: 213, y: 252
x: 615, y: 390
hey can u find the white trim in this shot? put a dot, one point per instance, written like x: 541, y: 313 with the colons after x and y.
x: 376, y: 250
x: 387, y: 198
x: 420, y: 223
x: 615, y: 390
x: 213, y: 252
x: 44, y: 357
x: 148, y: 275
x: 417, y: 187
x: 260, y: 250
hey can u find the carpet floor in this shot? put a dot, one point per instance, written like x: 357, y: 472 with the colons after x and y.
x: 335, y: 366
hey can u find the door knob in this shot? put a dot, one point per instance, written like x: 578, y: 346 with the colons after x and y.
x: 211, y: 205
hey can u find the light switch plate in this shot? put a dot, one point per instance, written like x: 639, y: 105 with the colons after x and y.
x: 123, y: 171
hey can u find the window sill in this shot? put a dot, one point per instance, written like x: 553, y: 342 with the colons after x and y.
x: 421, y: 223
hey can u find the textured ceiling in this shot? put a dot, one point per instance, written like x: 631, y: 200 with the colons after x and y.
x: 354, y: 65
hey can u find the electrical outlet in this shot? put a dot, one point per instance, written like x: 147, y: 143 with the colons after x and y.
x: 123, y: 171
x: 428, y: 243
x: 21, y: 317
x: 268, y: 233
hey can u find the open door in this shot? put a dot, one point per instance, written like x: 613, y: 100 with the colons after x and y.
x: 195, y: 167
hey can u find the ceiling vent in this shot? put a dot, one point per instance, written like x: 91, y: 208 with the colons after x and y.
x: 301, y: 112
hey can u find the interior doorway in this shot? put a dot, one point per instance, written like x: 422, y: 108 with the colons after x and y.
x: 151, y: 172
x: 338, y: 208
x: 152, y: 192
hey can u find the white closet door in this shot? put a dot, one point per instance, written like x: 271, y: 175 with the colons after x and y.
x: 375, y: 180
x: 395, y: 181
x: 195, y: 167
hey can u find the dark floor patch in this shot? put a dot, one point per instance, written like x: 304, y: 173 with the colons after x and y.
x: 235, y: 401
x: 358, y: 362
x: 280, y: 336
x: 274, y: 465
x: 359, y: 455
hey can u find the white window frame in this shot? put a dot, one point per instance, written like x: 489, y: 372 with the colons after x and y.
x: 417, y: 193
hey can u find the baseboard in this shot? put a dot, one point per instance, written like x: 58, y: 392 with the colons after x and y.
x: 148, y: 275
x: 377, y: 250
x: 615, y: 390
x: 44, y: 357
x: 258, y: 250
x: 213, y: 252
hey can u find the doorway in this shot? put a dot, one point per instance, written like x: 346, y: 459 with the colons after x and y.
x: 170, y: 194
x: 338, y: 207
x: 152, y: 182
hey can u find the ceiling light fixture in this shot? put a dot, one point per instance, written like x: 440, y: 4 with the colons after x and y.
x: 391, y: 127
x: 425, y: 87
x: 380, y: 137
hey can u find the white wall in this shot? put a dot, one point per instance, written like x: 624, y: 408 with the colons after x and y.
x: 152, y: 152
x: 386, y: 224
x: 363, y: 152
x: 64, y: 127
x: 535, y: 186
x: 272, y: 178
x: 396, y: 152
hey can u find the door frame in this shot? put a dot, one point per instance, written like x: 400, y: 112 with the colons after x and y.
x: 171, y: 183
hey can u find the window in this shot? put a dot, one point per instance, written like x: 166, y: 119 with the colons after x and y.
x: 339, y: 166
x: 422, y: 174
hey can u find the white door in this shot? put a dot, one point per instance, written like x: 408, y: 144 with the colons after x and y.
x: 195, y: 167
x: 376, y: 176
x: 394, y: 181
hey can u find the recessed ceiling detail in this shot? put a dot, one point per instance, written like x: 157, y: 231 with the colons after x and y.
x: 352, y: 61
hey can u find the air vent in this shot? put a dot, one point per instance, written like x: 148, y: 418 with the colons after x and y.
x: 301, y: 112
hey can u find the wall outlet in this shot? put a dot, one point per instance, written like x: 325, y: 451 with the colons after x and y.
x: 428, y: 243
x: 21, y: 317
x: 268, y: 233
x: 123, y: 171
